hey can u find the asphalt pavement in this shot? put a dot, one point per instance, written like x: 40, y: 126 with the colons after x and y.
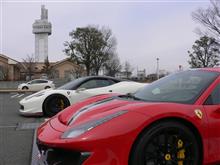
x: 16, y: 131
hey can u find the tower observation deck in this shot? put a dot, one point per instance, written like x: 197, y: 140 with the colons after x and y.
x: 42, y: 29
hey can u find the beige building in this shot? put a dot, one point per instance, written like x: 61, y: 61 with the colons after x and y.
x: 66, y: 69
x: 35, y: 71
x: 11, y: 69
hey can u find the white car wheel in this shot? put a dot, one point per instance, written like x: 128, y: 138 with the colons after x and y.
x: 25, y: 88
x: 54, y: 104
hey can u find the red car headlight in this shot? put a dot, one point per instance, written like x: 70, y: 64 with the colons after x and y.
x: 79, y: 130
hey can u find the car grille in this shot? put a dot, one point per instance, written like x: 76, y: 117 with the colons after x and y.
x: 51, y: 156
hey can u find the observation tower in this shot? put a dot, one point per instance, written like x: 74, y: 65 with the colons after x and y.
x: 42, y: 29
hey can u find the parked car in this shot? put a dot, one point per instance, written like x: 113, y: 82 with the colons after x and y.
x: 58, y: 99
x: 50, y: 102
x: 174, y: 120
x: 36, y: 85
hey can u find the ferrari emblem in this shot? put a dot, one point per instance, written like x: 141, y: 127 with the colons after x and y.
x: 198, y: 113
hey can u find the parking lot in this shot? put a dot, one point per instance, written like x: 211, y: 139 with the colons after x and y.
x: 16, y: 131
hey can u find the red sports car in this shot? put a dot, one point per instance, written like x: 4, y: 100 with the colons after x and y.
x: 173, y: 121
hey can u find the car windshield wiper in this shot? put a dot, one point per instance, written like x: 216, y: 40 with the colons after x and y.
x: 132, y: 96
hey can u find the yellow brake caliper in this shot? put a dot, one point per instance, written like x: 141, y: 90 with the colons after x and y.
x: 61, y: 104
x: 181, y: 153
x: 167, y: 157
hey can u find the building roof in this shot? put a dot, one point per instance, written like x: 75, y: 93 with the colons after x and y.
x: 8, y: 58
x: 63, y: 61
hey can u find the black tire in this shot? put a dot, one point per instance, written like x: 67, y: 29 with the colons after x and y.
x: 47, y: 87
x: 25, y: 88
x: 166, y: 143
x: 55, y: 104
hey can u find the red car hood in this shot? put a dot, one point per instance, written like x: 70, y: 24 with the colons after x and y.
x: 99, y: 107
x: 94, y: 110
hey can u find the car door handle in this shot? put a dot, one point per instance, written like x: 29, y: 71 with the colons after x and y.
x: 110, y: 90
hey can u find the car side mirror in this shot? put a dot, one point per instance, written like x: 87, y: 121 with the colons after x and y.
x: 80, y: 90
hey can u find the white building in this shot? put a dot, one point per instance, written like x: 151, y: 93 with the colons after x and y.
x: 42, y: 29
x: 141, y: 74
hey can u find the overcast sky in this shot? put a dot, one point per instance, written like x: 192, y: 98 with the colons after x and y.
x: 145, y: 30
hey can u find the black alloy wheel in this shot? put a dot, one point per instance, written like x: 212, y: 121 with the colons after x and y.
x: 55, y: 104
x: 166, y: 143
x: 47, y: 87
x: 24, y: 88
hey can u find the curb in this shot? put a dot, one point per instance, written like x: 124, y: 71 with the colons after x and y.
x: 15, y: 91
x: 34, y: 154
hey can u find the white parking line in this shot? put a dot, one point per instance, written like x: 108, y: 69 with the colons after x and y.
x: 14, y: 95
x: 25, y: 126
x: 20, y: 95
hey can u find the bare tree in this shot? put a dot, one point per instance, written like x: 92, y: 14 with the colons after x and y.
x: 113, y: 65
x: 105, y: 50
x: 210, y: 19
x: 29, y: 65
x: 47, y: 68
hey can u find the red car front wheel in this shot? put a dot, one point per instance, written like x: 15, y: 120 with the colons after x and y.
x: 166, y: 143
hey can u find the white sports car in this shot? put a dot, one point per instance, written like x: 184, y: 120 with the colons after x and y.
x: 50, y: 102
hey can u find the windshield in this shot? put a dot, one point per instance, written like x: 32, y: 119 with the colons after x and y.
x: 183, y: 87
x: 72, y: 85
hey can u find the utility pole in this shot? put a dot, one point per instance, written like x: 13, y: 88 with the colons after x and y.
x: 157, y: 69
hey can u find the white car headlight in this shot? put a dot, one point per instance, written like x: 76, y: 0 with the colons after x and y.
x: 79, y: 130
x: 19, y: 86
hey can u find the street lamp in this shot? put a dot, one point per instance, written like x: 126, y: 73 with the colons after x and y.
x: 157, y: 68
